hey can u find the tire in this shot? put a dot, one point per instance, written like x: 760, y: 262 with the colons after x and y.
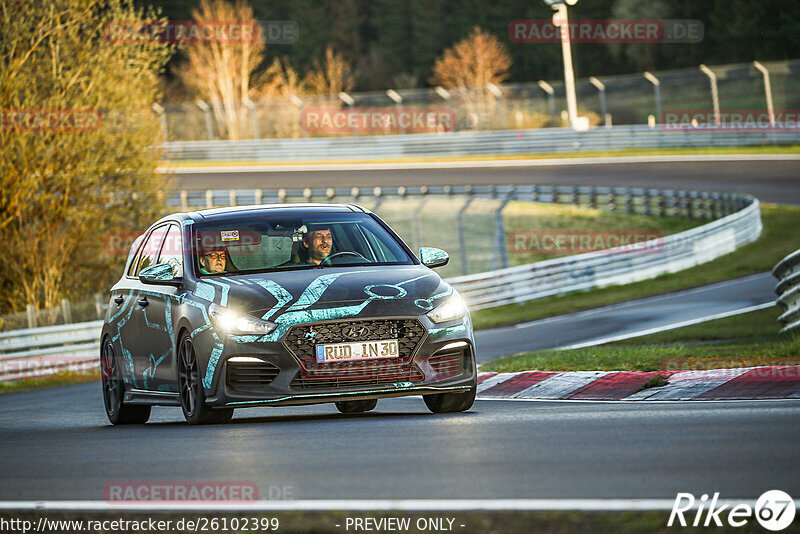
x: 117, y: 411
x: 451, y: 402
x: 358, y: 406
x: 193, y: 397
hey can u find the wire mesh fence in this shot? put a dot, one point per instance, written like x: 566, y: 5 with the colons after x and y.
x: 621, y: 100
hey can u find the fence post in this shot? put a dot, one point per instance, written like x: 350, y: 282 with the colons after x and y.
x: 378, y: 194
x: 657, y: 90
x: 207, y: 112
x: 461, y: 240
x: 98, y: 304
x: 416, y: 232
x: 66, y: 307
x: 31, y: 309
x: 501, y: 250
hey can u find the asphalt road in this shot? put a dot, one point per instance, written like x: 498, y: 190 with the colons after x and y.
x: 56, y: 444
x: 770, y: 181
x: 626, y: 318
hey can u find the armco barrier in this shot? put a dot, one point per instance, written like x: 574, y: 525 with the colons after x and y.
x: 598, y: 269
x: 34, y: 352
x: 42, y: 351
x: 787, y: 271
x: 498, y: 142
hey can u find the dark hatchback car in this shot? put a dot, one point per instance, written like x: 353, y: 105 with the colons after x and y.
x: 281, y: 305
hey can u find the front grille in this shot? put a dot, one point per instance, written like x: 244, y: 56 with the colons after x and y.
x: 447, y: 364
x: 301, y: 339
x: 250, y: 376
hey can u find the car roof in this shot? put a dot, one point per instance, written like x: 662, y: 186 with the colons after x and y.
x: 270, y: 209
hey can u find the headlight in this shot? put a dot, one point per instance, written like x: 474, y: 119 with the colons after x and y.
x: 450, y: 310
x: 230, y: 322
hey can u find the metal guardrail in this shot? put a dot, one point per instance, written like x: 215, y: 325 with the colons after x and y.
x: 599, y: 269
x: 787, y: 271
x: 35, y: 352
x: 499, y: 142
x: 41, y: 351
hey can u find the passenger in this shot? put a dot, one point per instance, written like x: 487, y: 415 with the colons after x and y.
x: 213, y: 261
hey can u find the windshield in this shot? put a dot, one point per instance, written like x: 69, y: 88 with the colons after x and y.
x: 293, y: 241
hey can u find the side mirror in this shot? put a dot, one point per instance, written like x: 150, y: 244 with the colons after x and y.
x: 433, y: 257
x: 161, y: 274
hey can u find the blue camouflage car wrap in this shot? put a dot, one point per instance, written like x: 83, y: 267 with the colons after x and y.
x: 146, y: 321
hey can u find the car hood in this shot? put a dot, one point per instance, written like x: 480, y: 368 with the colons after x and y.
x: 319, y: 294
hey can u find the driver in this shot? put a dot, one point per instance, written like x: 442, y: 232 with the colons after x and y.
x: 317, y: 244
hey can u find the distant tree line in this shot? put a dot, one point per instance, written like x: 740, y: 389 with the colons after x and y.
x: 395, y: 43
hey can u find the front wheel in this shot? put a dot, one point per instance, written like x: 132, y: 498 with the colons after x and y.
x: 193, y: 397
x: 358, y: 406
x: 451, y: 402
x: 117, y: 411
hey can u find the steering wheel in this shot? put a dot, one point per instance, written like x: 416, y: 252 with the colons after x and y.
x: 342, y: 253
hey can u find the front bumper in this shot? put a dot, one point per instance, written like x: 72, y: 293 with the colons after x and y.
x: 287, y: 387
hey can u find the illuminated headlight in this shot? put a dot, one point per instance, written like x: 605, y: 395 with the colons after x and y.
x: 450, y: 310
x: 230, y: 322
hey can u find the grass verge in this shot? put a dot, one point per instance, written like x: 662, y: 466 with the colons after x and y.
x: 60, y: 379
x: 688, y: 151
x: 779, y: 221
x: 739, y: 341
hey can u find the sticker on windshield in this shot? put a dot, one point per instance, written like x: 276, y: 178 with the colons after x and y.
x: 230, y: 235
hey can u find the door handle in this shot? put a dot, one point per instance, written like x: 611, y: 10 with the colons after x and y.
x: 119, y: 301
x: 143, y: 302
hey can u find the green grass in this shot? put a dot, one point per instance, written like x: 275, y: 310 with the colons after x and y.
x: 60, y: 379
x: 688, y: 151
x: 780, y: 222
x: 739, y: 341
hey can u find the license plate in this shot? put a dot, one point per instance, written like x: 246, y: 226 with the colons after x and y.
x: 357, y: 350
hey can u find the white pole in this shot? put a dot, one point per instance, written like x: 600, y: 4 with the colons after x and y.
x: 768, y: 90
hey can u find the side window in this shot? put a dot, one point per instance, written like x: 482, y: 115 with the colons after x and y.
x: 384, y: 254
x: 172, y: 250
x: 149, y: 253
x: 134, y: 251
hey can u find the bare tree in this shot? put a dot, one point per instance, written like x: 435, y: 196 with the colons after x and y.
x: 330, y: 76
x: 279, y: 87
x: 68, y: 182
x: 474, y: 62
x: 468, y: 68
x: 220, y: 69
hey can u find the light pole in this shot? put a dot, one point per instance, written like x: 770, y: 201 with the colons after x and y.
x: 560, y: 18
